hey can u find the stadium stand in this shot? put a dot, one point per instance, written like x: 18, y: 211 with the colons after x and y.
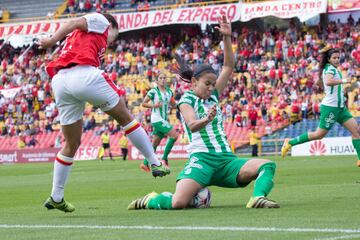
x: 30, y: 8
x: 272, y: 87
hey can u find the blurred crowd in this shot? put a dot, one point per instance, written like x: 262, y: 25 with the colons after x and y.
x: 273, y: 79
x: 84, y: 6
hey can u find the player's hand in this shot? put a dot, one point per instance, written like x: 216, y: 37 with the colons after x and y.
x: 211, y: 113
x: 348, y: 80
x: 224, y: 26
x: 45, y: 43
x: 158, y: 104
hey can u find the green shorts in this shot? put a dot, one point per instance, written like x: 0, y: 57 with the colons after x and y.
x: 219, y: 169
x: 161, y: 128
x: 330, y: 115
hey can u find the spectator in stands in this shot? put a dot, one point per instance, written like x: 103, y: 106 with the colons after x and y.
x: 253, y: 115
x: 202, y: 116
x: 21, y: 142
x: 295, y: 112
x: 32, y: 142
x: 316, y: 109
x: 333, y: 107
x: 123, y: 143
x: 159, y: 99
x: 304, y: 108
x: 71, y: 6
x: 88, y: 6
x: 98, y: 30
x: 48, y: 126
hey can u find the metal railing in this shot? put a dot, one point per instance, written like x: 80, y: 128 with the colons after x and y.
x: 245, y: 144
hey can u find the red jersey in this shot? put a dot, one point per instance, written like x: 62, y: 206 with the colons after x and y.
x: 81, y: 47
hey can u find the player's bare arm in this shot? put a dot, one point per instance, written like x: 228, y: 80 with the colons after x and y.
x: 229, y: 59
x: 189, y: 116
x: 330, y: 81
x: 146, y: 103
x: 68, y: 27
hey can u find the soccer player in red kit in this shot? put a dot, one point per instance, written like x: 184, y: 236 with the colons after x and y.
x: 76, y: 79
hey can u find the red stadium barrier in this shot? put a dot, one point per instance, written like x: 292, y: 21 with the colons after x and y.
x: 44, y: 155
x: 28, y: 155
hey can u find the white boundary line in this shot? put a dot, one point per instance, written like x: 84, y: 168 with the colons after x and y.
x: 183, y: 228
x: 340, y: 237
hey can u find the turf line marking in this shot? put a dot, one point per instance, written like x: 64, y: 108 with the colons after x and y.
x: 340, y: 237
x: 185, y: 228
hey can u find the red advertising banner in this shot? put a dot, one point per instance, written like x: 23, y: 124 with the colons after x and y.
x: 44, y: 155
x: 87, y: 153
x: 28, y: 155
x: 303, y: 9
x: 335, y: 6
x: 179, y: 151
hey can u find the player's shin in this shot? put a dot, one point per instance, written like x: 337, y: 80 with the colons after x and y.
x: 170, y: 143
x: 356, y: 143
x: 300, y: 139
x: 264, y: 182
x: 141, y: 141
x: 161, y: 201
x: 62, y: 167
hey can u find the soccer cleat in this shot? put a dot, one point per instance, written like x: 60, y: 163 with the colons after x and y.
x: 358, y: 163
x: 142, y: 203
x: 64, y: 206
x: 261, y: 202
x: 160, y: 171
x: 144, y: 167
x: 285, y: 148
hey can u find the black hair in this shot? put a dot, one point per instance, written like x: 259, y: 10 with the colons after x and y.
x: 185, y: 72
x: 111, y: 20
x: 325, y: 55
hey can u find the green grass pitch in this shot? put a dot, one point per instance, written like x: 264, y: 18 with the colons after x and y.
x: 319, y: 198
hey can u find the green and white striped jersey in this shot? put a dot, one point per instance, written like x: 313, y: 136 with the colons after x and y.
x: 161, y: 113
x: 212, y: 137
x: 334, y: 95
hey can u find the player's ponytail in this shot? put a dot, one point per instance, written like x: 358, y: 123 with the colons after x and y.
x: 183, y: 70
x: 186, y: 73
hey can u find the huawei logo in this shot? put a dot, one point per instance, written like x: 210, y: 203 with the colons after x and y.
x: 317, y: 148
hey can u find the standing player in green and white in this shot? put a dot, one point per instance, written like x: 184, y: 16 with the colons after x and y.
x: 332, y: 107
x: 211, y: 161
x: 159, y: 99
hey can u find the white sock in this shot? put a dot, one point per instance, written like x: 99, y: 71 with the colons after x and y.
x: 62, y: 167
x: 141, y: 141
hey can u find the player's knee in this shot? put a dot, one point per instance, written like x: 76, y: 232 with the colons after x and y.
x: 179, y: 203
x: 270, y: 165
x: 175, y: 135
x: 356, y: 133
x: 318, y: 135
x: 73, y: 146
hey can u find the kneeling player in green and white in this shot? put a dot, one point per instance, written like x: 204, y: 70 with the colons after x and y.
x: 332, y: 107
x: 211, y: 161
x: 159, y: 99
